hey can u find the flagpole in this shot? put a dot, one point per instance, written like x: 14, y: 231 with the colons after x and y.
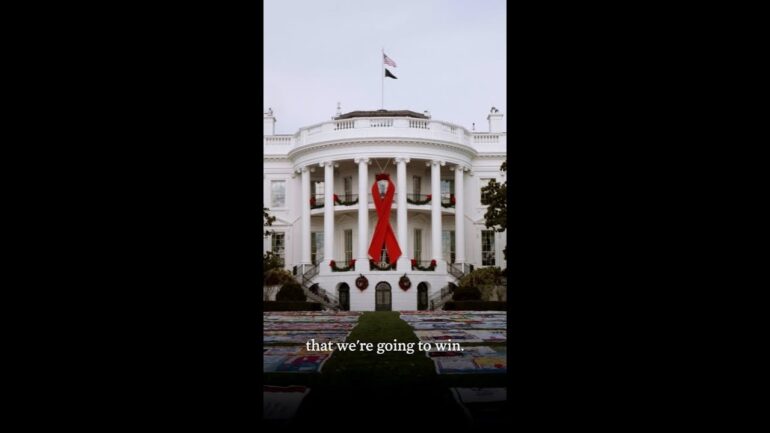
x: 382, y: 76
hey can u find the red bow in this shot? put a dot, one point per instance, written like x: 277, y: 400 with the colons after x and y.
x: 383, y: 233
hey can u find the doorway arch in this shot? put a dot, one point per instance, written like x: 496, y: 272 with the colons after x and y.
x: 383, y: 300
x: 422, y: 296
x: 343, y: 295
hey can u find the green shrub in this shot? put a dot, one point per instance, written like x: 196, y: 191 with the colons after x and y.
x: 466, y: 294
x: 277, y: 277
x: 291, y: 291
x: 486, y: 280
x: 482, y: 277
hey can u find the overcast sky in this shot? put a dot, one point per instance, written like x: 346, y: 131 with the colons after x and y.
x: 450, y: 57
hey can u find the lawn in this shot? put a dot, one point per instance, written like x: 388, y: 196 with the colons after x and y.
x: 366, y: 386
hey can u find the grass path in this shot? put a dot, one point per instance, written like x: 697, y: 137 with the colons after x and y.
x: 381, y: 389
x: 388, y: 369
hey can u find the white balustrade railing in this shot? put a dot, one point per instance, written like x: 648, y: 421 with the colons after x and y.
x: 419, y: 124
x: 278, y: 139
x: 373, y: 125
x: 486, y: 138
x: 445, y: 127
x: 381, y: 123
x: 345, y: 124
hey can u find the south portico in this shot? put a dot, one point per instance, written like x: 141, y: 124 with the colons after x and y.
x: 345, y: 222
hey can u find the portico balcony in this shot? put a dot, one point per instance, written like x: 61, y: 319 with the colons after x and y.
x: 349, y: 203
x: 428, y: 266
x: 418, y: 186
x: 342, y: 265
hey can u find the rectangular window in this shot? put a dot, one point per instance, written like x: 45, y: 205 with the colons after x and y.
x: 487, y: 248
x: 279, y: 246
x: 348, y: 246
x: 483, y: 183
x: 418, y: 244
x: 416, y: 186
x: 448, y: 245
x: 317, y: 191
x: 447, y: 189
x: 278, y: 193
x: 316, y: 247
x: 348, y: 182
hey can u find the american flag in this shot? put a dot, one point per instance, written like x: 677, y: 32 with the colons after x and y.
x: 388, y: 60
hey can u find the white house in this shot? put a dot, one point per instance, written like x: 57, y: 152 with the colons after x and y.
x: 427, y: 174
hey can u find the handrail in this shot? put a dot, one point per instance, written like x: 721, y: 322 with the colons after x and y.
x: 439, y: 298
x: 458, y: 270
x: 310, y: 273
x: 322, y: 296
x: 457, y: 273
x: 329, y: 304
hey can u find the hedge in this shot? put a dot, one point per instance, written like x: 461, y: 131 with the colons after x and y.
x: 291, y: 291
x: 291, y: 306
x: 466, y: 294
x: 475, y: 306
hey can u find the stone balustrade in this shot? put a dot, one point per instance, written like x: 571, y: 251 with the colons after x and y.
x: 379, y: 127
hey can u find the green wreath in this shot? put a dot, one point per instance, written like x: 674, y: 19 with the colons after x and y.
x: 418, y: 202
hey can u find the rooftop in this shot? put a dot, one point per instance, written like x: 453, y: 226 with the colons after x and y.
x: 381, y: 113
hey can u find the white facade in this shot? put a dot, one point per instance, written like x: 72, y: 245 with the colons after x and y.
x: 422, y: 156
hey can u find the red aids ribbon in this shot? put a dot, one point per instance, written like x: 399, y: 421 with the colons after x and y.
x: 383, y: 233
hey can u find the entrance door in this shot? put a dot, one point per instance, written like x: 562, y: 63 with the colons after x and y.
x: 382, y: 300
x: 422, y: 296
x: 344, y: 297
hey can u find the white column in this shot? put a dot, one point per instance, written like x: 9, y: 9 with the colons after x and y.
x: 404, y: 262
x: 435, y: 215
x: 362, y: 259
x: 328, y: 216
x: 305, y: 235
x: 459, y: 215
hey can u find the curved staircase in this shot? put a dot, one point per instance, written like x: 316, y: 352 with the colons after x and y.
x: 317, y: 294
